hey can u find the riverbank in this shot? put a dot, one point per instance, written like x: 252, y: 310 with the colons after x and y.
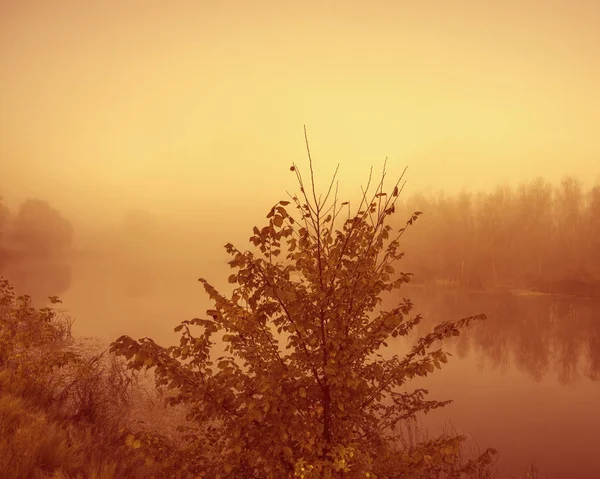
x: 564, y: 289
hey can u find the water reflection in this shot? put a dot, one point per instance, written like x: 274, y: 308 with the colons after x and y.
x: 541, y: 334
x: 525, y: 381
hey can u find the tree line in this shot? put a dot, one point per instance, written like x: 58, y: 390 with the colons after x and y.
x: 536, y: 235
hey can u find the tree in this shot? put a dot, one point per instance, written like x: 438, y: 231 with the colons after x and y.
x: 534, y: 231
x: 39, y: 229
x: 569, y: 202
x: 593, y: 236
x: 35, y: 252
x: 303, y: 390
x: 4, y: 217
x: 4, y: 221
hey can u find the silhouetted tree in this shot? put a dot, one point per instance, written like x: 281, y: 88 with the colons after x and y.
x: 569, y: 215
x: 4, y: 221
x: 326, y: 404
x: 36, y: 250
x: 39, y: 229
x: 593, y: 236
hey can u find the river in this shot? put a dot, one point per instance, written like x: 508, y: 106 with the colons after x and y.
x: 526, y: 381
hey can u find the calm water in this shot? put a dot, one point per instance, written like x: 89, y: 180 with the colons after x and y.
x: 526, y: 381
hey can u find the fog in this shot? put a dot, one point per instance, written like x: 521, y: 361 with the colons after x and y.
x: 192, y: 109
x: 193, y: 112
x: 149, y: 135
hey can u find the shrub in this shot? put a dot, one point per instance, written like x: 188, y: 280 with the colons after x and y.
x: 302, y: 390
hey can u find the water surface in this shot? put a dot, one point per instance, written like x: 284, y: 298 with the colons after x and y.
x: 525, y: 381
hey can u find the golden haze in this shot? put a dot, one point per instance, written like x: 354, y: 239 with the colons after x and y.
x: 188, y: 107
x: 164, y: 129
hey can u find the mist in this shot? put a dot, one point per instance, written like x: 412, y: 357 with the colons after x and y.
x: 137, y: 139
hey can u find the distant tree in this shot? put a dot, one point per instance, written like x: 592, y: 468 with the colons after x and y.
x: 302, y: 390
x: 464, y: 229
x: 534, y: 234
x: 4, y: 221
x: 4, y: 217
x: 491, y: 234
x: 593, y: 236
x: 36, y: 249
x: 39, y: 229
x: 569, y: 211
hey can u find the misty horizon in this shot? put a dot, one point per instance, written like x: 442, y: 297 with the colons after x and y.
x: 137, y: 139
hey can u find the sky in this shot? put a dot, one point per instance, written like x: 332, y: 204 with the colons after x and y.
x: 196, y: 108
x: 194, y: 111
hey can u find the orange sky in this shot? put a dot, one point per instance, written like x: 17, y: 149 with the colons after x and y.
x: 194, y: 105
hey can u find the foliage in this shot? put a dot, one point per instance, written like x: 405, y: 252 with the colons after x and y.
x: 35, y: 247
x: 41, y: 229
x: 4, y: 217
x: 303, y: 390
x: 30, y: 338
x: 537, y: 236
x: 62, y: 410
